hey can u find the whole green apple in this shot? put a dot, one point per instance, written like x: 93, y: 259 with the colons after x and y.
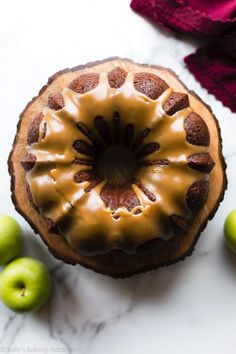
x: 230, y: 230
x: 25, y: 285
x: 10, y: 239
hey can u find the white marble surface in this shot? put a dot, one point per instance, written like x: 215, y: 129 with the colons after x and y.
x: 186, y: 308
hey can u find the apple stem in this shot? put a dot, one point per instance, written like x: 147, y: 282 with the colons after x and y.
x: 23, y: 291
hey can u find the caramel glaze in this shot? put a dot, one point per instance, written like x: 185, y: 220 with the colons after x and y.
x: 82, y: 217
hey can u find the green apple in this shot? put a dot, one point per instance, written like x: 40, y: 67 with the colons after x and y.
x: 25, y: 285
x: 10, y: 239
x: 230, y: 230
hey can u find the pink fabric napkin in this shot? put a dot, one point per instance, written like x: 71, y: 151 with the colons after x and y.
x: 214, y: 21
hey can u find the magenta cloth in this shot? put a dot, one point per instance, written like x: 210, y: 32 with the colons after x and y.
x: 213, y: 21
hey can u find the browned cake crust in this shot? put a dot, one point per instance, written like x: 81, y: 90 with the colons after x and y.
x: 196, y: 129
x: 84, y: 83
x: 56, y: 101
x: 149, y: 84
x: 28, y: 161
x: 116, y: 77
x: 154, y: 253
x: 176, y: 102
x: 201, y: 162
x: 33, y: 131
x: 197, y: 196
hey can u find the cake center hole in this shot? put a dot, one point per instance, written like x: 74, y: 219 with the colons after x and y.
x: 117, y: 164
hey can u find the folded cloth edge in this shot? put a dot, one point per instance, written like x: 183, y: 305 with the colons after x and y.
x: 177, y: 16
x: 221, y: 82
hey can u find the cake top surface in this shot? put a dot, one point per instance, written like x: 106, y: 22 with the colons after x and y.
x: 119, y: 159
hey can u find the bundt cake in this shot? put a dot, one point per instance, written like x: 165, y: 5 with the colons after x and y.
x: 117, y: 166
